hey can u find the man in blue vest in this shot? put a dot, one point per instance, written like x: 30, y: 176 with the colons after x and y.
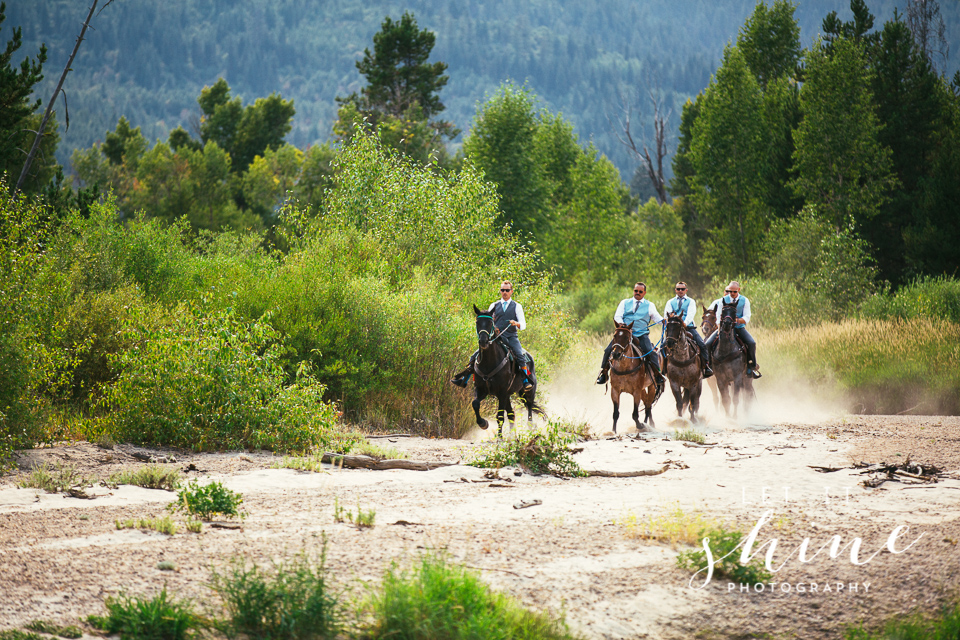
x: 642, y: 313
x: 686, y: 308
x: 732, y: 294
x: 508, y: 318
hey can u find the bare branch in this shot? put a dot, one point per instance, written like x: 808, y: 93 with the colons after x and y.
x: 53, y: 98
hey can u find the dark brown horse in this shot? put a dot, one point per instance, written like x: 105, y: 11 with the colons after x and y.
x: 730, y: 362
x: 494, y: 374
x: 681, y: 365
x: 708, y: 324
x: 630, y: 374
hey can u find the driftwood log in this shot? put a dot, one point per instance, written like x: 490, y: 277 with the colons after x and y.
x: 366, y: 462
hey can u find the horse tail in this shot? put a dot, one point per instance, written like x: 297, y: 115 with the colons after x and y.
x: 533, y: 406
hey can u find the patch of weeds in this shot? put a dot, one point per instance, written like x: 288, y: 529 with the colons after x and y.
x: 725, y: 548
x: 437, y: 599
x: 367, y: 448
x: 290, y: 600
x: 689, y: 435
x: 159, y: 618
x: 55, y: 478
x: 308, y: 463
x: 151, y: 476
x: 43, y: 626
x: 548, y: 450
x: 209, y: 500
x: 17, y: 634
x: 194, y: 526
x: 363, y: 519
x: 163, y: 525
x: 675, y: 527
x: 944, y: 626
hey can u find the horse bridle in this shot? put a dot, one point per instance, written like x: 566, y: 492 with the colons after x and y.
x: 668, y: 348
x: 486, y: 377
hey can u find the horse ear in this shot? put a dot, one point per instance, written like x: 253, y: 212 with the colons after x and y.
x: 704, y: 308
x: 477, y: 311
x: 630, y: 326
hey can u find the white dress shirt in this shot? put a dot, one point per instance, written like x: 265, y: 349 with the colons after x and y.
x: 690, y: 317
x: 718, y: 305
x: 622, y: 307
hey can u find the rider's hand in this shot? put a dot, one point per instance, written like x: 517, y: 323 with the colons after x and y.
x: 515, y: 323
x: 741, y: 321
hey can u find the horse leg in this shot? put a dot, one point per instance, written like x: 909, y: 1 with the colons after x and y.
x: 478, y: 396
x: 695, y: 400
x: 636, y: 413
x: 510, y: 415
x: 678, y: 396
x: 501, y: 414
x: 615, y: 397
x: 724, y: 397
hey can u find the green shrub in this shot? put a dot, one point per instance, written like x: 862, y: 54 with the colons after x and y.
x: 944, y: 626
x: 212, y: 381
x: 726, y: 557
x: 929, y: 298
x: 162, y: 525
x: 159, y: 618
x: 55, y: 478
x: 547, y: 450
x: 209, y: 500
x: 290, y: 601
x: 445, y: 602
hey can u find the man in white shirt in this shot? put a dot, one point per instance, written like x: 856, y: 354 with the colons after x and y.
x: 686, y: 308
x: 732, y: 295
x: 508, y: 318
x: 642, y: 313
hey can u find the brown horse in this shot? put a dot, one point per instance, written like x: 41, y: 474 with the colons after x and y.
x: 708, y: 324
x: 681, y: 365
x: 730, y: 363
x: 630, y: 374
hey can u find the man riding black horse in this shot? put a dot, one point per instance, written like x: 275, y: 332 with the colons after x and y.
x: 508, y: 318
x: 732, y: 296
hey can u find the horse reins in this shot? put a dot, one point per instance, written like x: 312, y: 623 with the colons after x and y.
x: 506, y: 358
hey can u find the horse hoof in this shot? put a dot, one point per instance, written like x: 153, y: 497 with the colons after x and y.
x: 483, y: 424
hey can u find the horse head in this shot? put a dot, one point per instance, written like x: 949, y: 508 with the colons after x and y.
x: 708, y: 321
x: 486, y: 331
x: 673, y: 331
x: 728, y: 316
x: 622, y: 337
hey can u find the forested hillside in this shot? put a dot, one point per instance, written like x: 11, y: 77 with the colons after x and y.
x: 148, y: 60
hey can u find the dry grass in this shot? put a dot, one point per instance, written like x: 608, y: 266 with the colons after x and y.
x: 885, y: 366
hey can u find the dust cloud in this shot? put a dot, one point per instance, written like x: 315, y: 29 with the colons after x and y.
x: 782, y: 395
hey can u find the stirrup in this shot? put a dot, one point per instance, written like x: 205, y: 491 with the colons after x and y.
x: 707, y: 372
x: 602, y: 378
x: 527, y: 385
x: 461, y: 380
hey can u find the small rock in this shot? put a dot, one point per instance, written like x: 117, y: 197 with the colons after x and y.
x: 166, y: 565
x: 518, y: 473
x: 523, y: 504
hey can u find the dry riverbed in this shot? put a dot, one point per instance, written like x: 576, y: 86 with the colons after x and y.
x: 61, y: 556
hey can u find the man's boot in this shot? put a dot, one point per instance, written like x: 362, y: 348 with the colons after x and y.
x: 705, y: 360
x: 657, y: 375
x: 604, y: 367
x: 752, y: 366
x: 528, y: 379
x: 462, y: 379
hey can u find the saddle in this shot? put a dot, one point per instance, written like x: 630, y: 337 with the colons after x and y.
x: 740, y: 343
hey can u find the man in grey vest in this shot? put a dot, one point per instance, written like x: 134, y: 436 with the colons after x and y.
x: 686, y: 308
x: 642, y: 313
x: 508, y: 318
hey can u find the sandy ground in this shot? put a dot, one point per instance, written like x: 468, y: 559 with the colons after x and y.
x: 61, y: 556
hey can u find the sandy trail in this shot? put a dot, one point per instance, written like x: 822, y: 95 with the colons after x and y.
x: 60, y: 556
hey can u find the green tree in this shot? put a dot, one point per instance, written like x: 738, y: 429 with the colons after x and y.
x: 401, y: 96
x: 19, y: 117
x: 316, y: 177
x: 841, y: 166
x: 770, y: 41
x: 501, y: 143
x: 243, y: 132
x: 728, y: 157
x: 124, y: 144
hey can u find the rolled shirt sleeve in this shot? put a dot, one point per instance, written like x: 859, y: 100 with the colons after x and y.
x: 618, y: 316
x: 691, y: 318
x: 654, y: 316
x: 746, y: 310
x: 520, y: 318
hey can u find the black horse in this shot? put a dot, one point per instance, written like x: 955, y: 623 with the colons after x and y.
x: 730, y: 362
x: 495, y: 373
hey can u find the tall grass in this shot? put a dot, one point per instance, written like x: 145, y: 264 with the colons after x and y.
x: 930, y: 298
x: 883, y: 366
x: 442, y: 601
x: 159, y: 618
x: 944, y: 626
